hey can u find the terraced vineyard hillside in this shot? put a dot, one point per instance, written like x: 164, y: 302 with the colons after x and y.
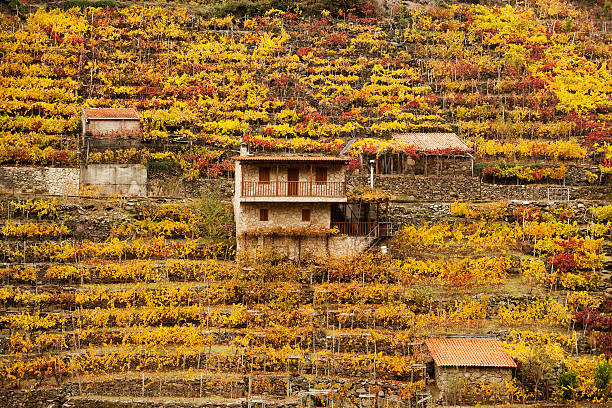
x: 520, y: 84
x: 125, y: 302
x: 150, y: 309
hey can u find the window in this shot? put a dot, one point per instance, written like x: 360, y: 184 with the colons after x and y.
x: 264, y: 175
x: 306, y: 214
x: 321, y: 175
x: 263, y: 214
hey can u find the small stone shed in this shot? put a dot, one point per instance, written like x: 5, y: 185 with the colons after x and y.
x: 471, y: 360
x: 111, y: 123
x: 428, y: 154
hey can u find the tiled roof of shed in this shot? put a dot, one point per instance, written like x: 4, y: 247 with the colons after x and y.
x: 327, y: 159
x: 469, y: 352
x: 431, y: 142
x: 111, y: 113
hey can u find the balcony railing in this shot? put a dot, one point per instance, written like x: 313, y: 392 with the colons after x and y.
x: 362, y: 229
x: 293, y: 189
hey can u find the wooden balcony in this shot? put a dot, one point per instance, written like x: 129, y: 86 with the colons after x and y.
x: 331, y: 189
x: 362, y: 229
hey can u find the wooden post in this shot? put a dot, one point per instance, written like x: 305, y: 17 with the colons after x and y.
x: 311, y: 180
x: 277, y: 180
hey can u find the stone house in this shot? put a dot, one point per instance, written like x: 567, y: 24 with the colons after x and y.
x: 462, y: 363
x: 111, y: 122
x: 428, y: 154
x: 297, y: 206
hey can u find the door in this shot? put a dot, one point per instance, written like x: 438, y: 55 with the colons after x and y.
x: 263, y: 188
x: 293, y: 177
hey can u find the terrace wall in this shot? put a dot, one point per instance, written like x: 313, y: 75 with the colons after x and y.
x: 448, y: 189
x: 39, y: 180
x: 115, y: 179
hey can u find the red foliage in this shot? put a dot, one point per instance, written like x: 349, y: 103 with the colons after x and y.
x: 336, y: 39
x: 354, y: 164
x: 489, y: 172
x: 304, y: 51
x: 593, y: 320
x: 604, y: 343
x: 599, y: 136
x: 563, y: 262
x: 281, y: 81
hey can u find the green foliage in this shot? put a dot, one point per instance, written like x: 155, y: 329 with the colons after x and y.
x: 163, y: 166
x: 568, y: 382
x: 68, y: 4
x: 242, y: 8
x: 602, y: 376
x: 15, y: 6
x: 569, y: 24
x: 216, y: 218
x: 538, y: 366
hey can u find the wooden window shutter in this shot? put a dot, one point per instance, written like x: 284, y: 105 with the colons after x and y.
x: 306, y: 214
x: 321, y: 175
x: 263, y: 214
x: 264, y: 174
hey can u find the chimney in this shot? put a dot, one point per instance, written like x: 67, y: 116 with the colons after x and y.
x: 244, y: 149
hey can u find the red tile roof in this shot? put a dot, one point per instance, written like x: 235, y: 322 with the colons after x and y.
x: 326, y: 159
x: 469, y: 352
x: 111, y: 113
x: 432, y: 142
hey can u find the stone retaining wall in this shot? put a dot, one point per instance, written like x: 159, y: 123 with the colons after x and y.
x: 107, y: 180
x: 39, y: 180
x: 449, y: 189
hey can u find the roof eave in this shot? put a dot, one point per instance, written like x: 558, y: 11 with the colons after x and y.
x: 113, y: 118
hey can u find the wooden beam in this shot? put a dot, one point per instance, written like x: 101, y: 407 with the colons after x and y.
x: 311, y: 179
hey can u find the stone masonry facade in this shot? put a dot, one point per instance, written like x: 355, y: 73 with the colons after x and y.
x: 39, y: 180
x: 457, y: 384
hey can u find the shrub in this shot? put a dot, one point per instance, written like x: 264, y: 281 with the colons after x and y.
x: 163, y: 166
x: 568, y: 382
x: 602, y: 376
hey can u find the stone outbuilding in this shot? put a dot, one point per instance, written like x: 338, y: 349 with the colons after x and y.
x: 111, y: 129
x: 428, y: 154
x: 111, y: 123
x: 462, y: 363
x: 296, y: 206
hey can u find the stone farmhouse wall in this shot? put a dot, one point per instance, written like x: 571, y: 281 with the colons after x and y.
x: 456, y: 384
x: 306, y: 248
x: 284, y: 215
